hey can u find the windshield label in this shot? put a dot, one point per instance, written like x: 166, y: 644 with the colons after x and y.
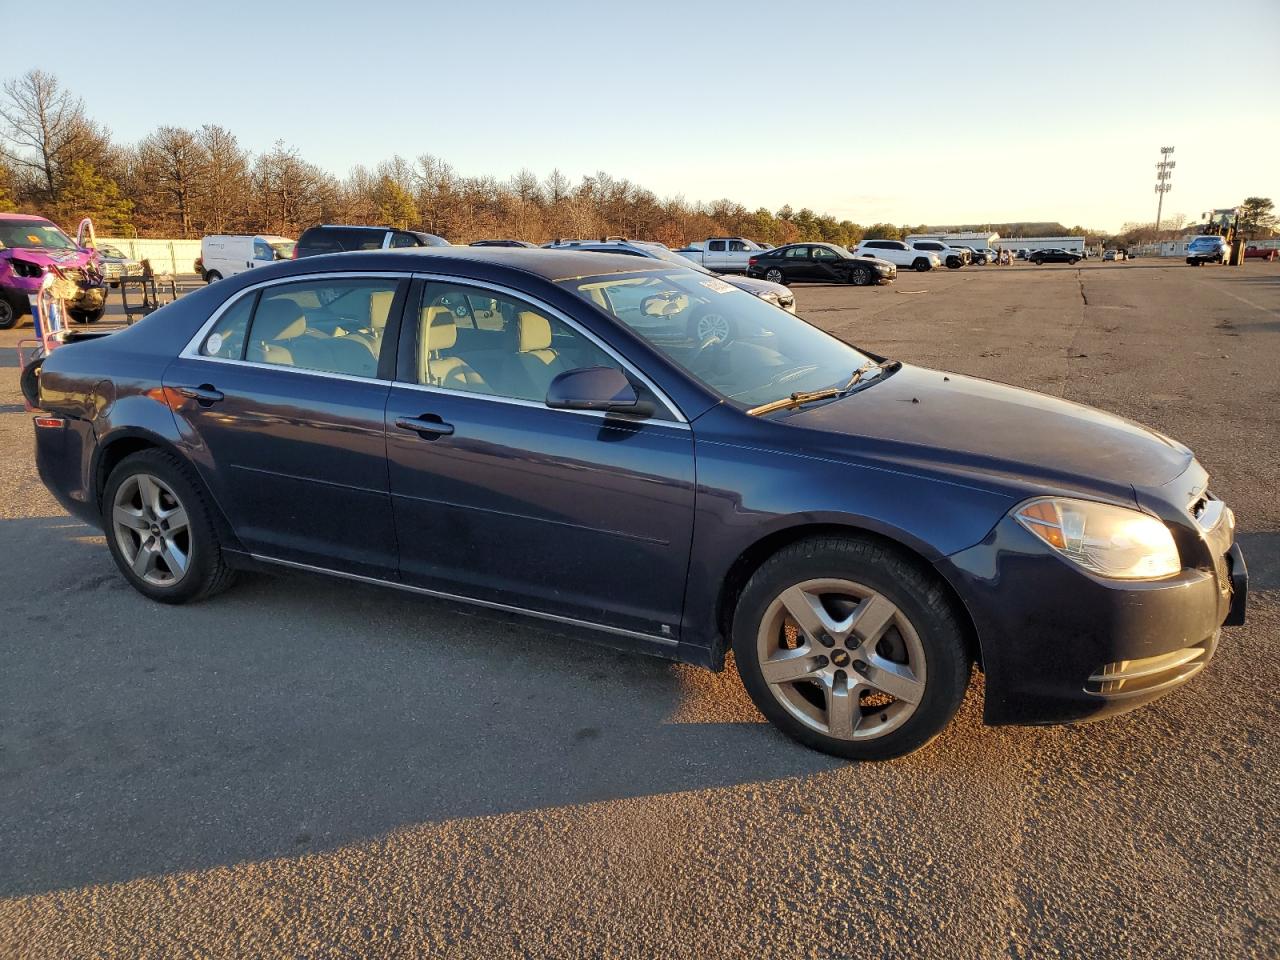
x: 716, y: 285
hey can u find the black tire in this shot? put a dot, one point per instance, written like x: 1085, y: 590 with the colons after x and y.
x: 1038, y: 263
x: 12, y: 310
x: 954, y: 263
x: 860, y: 276
x: 921, y: 265
x: 884, y: 570
x: 774, y: 275
x: 212, y: 276
x: 29, y: 382
x: 88, y: 316
x: 207, y: 572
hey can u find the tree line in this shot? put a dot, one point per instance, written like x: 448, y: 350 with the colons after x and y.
x: 178, y: 182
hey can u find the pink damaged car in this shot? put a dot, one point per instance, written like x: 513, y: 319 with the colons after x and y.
x: 31, y: 247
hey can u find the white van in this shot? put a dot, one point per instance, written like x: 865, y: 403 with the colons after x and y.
x: 225, y: 256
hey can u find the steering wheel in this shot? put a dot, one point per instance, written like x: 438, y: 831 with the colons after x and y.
x: 710, y: 324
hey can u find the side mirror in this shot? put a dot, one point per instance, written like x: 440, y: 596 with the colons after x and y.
x: 593, y: 388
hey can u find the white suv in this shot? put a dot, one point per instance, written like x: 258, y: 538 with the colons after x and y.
x: 895, y: 251
x: 953, y: 257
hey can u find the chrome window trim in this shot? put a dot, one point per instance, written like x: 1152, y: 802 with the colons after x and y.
x: 192, y: 350
x: 666, y: 641
x: 677, y: 414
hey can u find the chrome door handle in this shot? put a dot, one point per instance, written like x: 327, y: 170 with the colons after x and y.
x: 428, y: 426
x: 205, y: 393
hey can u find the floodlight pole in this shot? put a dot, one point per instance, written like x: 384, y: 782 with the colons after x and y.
x: 1164, y: 176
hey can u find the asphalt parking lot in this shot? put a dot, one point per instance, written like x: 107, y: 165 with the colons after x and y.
x: 306, y: 767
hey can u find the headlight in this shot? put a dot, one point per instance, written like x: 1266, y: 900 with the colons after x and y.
x: 1104, y: 539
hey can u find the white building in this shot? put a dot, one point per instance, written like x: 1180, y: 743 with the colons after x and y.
x: 1042, y: 243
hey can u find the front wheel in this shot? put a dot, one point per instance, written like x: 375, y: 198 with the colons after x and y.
x: 11, y: 312
x: 849, y: 648
x: 212, y: 276
x: 860, y: 277
x: 160, y: 530
x: 774, y: 275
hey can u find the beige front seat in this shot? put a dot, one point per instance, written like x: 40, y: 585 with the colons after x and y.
x: 540, y: 362
x: 439, y: 332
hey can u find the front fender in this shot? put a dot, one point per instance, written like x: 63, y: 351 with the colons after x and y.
x: 748, y: 495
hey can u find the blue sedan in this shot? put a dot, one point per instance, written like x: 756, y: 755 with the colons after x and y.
x: 545, y: 433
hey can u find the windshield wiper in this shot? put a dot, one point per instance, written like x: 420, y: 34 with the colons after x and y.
x: 795, y: 400
x: 827, y: 393
x: 884, y: 366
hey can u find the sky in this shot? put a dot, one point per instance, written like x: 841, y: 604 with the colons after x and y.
x: 907, y: 111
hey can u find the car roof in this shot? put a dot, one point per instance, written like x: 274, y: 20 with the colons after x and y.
x: 25, y: 217
x: 549, y: 264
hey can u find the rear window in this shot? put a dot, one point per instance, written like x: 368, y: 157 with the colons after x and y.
x: 337, y: 239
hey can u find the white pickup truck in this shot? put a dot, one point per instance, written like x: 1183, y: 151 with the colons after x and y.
x: 722, y: 254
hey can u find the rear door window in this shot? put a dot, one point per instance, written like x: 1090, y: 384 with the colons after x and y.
x: 332, y: 325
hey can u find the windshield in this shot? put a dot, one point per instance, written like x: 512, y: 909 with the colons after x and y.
x: 665, y: 253
x: 33, y: 233
x: 109, y: 251
x: 743, y: 348
x: 283, y: 248
x: 1205, y: 242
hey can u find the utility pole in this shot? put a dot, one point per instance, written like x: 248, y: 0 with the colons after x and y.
x: 1164, y: 174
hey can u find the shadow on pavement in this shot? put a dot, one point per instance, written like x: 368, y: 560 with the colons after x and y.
x: 294, y: 714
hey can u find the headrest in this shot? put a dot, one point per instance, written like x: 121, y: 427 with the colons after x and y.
x: 439, y: 331
x: 278, y: 320
x: 535, y: 331
x: 379, y: 308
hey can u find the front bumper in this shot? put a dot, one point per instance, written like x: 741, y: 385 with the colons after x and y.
x: 1060, y: 645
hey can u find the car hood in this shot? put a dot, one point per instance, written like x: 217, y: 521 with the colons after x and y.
x: 980, y: 428
x: 758, y: 287
x: 878, y: 261
x: 46, y: 258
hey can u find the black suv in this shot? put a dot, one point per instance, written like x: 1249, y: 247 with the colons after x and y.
x: 336, y: 238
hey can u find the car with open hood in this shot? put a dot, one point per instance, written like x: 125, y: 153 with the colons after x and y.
x: 548, y: 434
x: 30, y: 249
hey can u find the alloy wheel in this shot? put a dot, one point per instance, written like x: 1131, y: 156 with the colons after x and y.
x: 8, y: 316
x: 152, y: 530
x: 842, y: 659
x: 774, y: 275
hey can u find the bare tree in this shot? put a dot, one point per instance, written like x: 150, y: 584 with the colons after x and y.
x: 226, y: 196
x: 174, y: 166
x: 44, y: 131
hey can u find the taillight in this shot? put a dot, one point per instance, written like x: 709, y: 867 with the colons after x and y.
x: 751, y: 261
x: 294, y: 254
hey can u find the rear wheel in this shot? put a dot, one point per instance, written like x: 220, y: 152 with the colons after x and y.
x: 921, y: 265
x: 160, y: 530
x: 774, y: 275
x: 848, y: 647
x: 211, y: 276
